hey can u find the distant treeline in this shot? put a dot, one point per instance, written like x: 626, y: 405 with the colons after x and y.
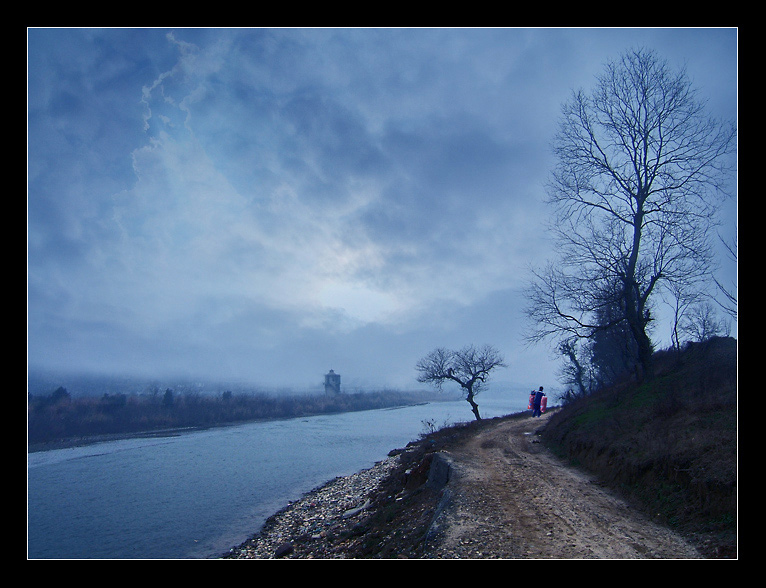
x: 60, y: 416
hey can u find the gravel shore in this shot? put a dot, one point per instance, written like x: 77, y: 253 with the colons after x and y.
x: 388, y: 511
x: 320, y: 523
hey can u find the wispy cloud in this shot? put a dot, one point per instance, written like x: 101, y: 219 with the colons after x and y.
x: 204, y: 199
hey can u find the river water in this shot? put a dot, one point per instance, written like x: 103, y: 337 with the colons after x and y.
x: 197, y: 494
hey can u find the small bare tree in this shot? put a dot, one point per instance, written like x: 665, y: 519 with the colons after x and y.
x: 469, y: 367
x: 578, y: 372
x: 701, y: 323
x: 681, y: 298
x: 730, y: 294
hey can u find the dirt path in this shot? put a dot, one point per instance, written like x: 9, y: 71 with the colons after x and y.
x: 511, y: 498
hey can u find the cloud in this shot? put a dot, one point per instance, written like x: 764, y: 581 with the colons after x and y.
x: 316, y: 207
x: 220, y: 200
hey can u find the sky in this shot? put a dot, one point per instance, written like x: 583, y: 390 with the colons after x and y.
x: 263, y: 205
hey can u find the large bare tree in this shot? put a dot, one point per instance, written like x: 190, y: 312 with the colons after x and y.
x: 469, y: 367
x: 640, y: 172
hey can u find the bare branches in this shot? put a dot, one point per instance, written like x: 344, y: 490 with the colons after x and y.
x: 730, y: 304
x: 469, y: 367
x: 639, y: 171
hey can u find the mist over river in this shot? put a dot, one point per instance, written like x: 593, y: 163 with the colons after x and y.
x: 197, y: 494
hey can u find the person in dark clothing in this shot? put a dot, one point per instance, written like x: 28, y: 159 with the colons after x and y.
x: 536, y: 412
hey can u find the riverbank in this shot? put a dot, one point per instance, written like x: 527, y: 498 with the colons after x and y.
x: 482, y: 490
x: 82, y: 441
x: 319, y: 525
x: 94, y: 439
x: 385, y: 511
x: 59, y: 416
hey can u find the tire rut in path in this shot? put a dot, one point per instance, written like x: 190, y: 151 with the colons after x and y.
x: 509, y: 497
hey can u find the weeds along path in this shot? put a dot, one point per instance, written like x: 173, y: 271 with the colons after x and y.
x: 509, y: 497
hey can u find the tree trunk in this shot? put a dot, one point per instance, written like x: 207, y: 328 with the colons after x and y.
x: 637, y: 327
x: 644, y: 353
x: 474, y: 406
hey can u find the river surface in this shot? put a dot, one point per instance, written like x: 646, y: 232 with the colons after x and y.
x: 197, y: 494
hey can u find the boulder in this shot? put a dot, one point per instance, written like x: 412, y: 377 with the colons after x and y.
x: 439, y: 472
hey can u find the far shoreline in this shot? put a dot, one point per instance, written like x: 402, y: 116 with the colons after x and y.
x: 71, y: 442
x: 95, y: 439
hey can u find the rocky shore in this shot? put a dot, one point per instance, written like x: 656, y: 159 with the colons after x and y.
x: 320, y: 524
x: 386, y: 511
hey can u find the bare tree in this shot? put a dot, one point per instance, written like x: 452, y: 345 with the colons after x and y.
x: 469, y: 367
x: 577, y: 372
x: 701, y: 323
x: 681, y: 298
x: 639, y: 164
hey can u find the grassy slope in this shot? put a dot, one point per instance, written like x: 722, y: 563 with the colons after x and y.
x: 669, y: 445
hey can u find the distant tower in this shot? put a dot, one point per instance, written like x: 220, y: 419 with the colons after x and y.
x: 332, y: 383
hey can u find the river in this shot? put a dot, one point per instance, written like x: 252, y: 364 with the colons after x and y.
x: 197, y: 494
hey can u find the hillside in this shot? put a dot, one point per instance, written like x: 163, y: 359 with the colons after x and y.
x: 669, y: 445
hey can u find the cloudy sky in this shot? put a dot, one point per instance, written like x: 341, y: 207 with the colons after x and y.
x: 267, y: 204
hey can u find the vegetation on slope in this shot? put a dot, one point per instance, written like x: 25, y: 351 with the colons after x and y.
x: 669, y: 444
